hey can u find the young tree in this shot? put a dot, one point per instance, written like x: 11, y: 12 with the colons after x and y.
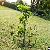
x: 22, y: 32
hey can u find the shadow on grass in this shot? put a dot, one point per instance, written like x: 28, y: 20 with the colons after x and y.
x: 45, y: 17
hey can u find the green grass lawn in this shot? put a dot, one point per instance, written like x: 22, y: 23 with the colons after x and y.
x: 9, y: 20
x: 3, y: 8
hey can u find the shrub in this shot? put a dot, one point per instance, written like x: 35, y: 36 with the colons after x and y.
x: 41, y: 9
x: 48, y: 4
x: 10, y: 5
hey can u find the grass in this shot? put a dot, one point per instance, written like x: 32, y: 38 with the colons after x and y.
x: 9, y: 20
x: 3, y: 8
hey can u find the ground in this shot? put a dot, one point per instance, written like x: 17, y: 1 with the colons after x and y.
x: 9, y: 20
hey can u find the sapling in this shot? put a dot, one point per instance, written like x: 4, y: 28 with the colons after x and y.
x: 22, y: 33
